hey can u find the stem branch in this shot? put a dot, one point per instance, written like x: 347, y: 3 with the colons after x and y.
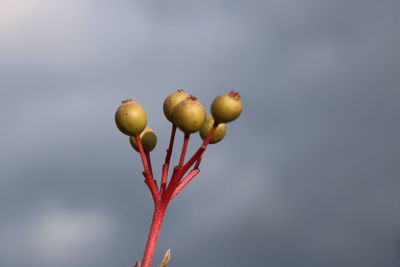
x: 165, y: 168
x: 184, y: 182
x: 147, y: 172
x: 200, y: 151
x: 149, y: 162
x: 184, y: 148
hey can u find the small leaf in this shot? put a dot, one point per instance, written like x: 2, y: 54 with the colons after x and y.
x: 137, y: 264
x: 166, y: 259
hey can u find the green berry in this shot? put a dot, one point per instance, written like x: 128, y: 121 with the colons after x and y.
x: 172, y: 101
x: 226, y: 107
x: 189, y: 115
x: 130, y: 118
x: 149, y: 140
x: 219, y: 133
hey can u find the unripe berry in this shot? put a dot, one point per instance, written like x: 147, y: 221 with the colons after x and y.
x: 189, y: 115
x: 226, y: 107
x: 149, y: 140
x: 219, y: 133
x: 130, y: 118
x: 172, y: 101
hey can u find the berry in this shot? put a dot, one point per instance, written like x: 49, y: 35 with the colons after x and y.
x: 172, y: 101
x: 149, y: 140
x: 226, y: 107
x: 189, y: 115
x: 130, y: 118
x: 219, y: 133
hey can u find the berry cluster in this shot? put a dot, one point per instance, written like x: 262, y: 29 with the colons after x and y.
x: 186, y: 113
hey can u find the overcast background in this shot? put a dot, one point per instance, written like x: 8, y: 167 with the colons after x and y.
x: 307, y: 176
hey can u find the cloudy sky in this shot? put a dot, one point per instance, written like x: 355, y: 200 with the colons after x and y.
x: 308, y: 176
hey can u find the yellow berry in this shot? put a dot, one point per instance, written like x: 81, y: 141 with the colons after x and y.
x: 226, y: 107
x: 189, y: 115
x: 219, y: 133
x: 172, y: 101
x: 130, y: 118
x: 149, y: 140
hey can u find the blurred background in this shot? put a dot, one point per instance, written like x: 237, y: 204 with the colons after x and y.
x: 307, y: 176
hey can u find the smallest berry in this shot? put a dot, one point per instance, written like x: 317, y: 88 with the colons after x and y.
x: 149, y: 140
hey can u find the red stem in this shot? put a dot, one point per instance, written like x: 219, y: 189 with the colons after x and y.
x: 151, y: 184
x: 149, y: 162
x: 158, y: 216
x: 200, y: 151
x: 165, y: 168
x: 142, y: 153
x: 174, y: 187
x: 180, y: 171
x: 185, y: 181
x: 147, y: 173
x: 197, y: 165
x: 184, y: 148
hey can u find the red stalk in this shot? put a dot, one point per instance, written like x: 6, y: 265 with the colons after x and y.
x: 184, y: 182
x: 175, y: 178
x: 165, y: 168
x: 162, y: 199
x: 200, y: 151
x: 180, y: 171
x: 147, y: 173
x: 184, y: 148
x: 158, y: 216
x: 197, y: 165
x: 142, y: 153
x: 149, y: 162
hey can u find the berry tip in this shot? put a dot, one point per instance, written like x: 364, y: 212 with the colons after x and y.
x: 126, y: 100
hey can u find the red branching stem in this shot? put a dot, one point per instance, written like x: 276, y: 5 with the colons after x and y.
x: 192, y: 174
x: 165, y: 168
x: 200, y: 151
x: 147, y: 173
x: 184, y: 148
x: 164, y: 178
x: 158, y: 216
x: 175, y: 186
x: 175, y: 178
x: 152, y: 185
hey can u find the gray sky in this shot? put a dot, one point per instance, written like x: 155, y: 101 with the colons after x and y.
x: 307, y: 176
